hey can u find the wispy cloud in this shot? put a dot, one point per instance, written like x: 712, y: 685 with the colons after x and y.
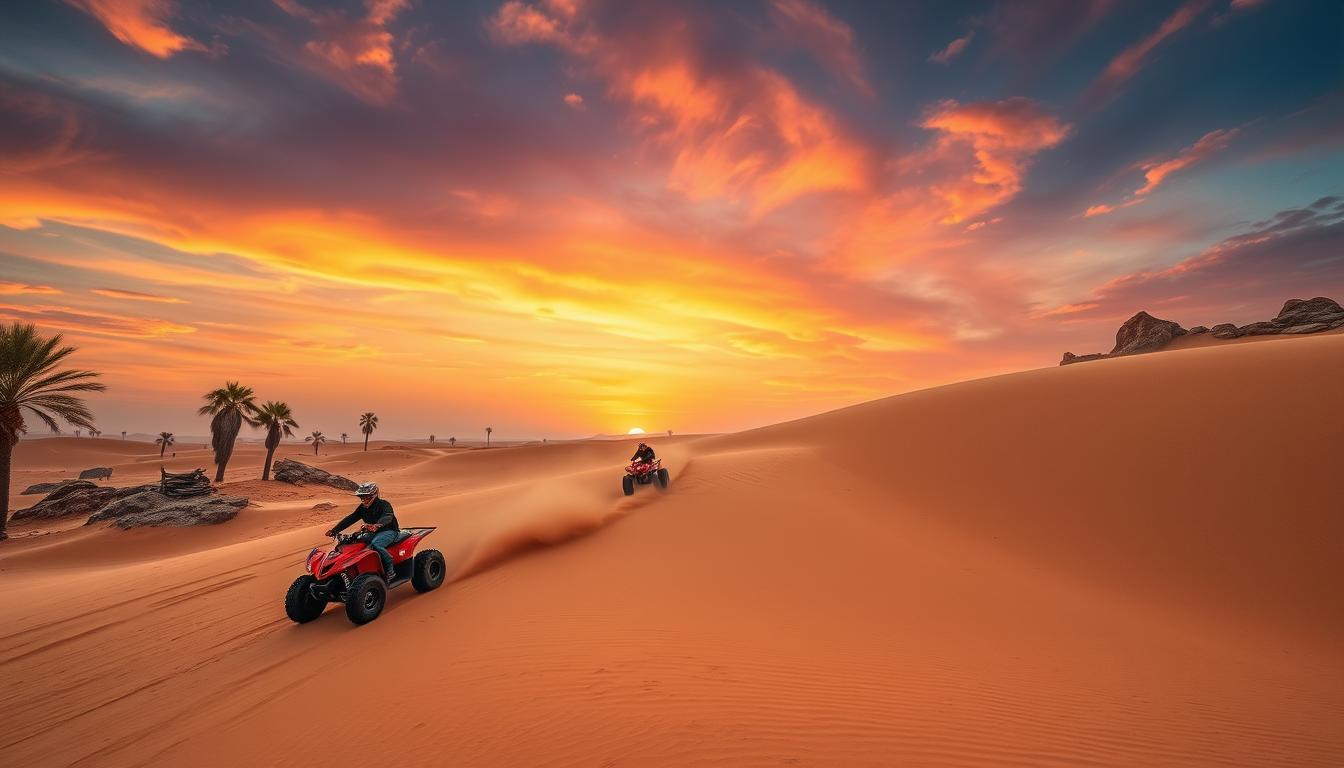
x: 117, y: 293
x: 953, y: 49
x: 831, y: 40
x: 141, y: 24
x: 1128, y: 63
x: 1298, y: 252
x: 355, y: 52
x: 1155, y: 172
x: 8, y: 288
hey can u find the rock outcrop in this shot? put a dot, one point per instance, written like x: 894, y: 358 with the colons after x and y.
x: 151, y: 508
x: 49, y: 487
x: 97, y: 473
x: 291, y: 471
x: 131, y: 507
x: 77, y: 498
x: 1145, y: 333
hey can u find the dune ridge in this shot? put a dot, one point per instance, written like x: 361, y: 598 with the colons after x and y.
x: 1133, y: 562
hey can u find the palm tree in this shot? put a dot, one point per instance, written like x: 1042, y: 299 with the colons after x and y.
x: 231, y: 405
x: 164, y: 440
x: 343, y: 437
x: 367, y: 423
x: 28, y: 380
x: 431, y: 439
x: 123, y: 434
x: 669, y: 433
x: 317, y: 438
x: 278, y: 421
x: 452, y: 441
x: 488, y: 430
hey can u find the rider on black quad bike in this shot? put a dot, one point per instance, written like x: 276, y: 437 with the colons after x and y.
x: 643, y: 455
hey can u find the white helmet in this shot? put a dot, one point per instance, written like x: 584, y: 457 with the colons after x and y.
x: 367, y: 489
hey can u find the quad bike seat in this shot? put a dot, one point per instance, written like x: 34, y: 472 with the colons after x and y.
x: 402, y: 536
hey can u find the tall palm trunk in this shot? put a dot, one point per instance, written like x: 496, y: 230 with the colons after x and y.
x: 162, y: 447
x: 272, y: 440
x: 6, y: 454
x: 223, y: 431
x: 366, y: 441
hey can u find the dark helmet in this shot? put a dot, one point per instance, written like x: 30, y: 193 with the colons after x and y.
x: 643, y: 445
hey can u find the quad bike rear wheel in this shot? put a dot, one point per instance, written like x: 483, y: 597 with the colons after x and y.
x: 365, y: 598
x: 300, y: 605
x: 428, y: 570
x: 662, y: 478
x: 628, y: 485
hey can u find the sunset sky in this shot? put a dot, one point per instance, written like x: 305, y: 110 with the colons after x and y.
x: 562, y: 217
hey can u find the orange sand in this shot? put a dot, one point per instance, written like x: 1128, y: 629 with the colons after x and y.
x: 1127, y: 562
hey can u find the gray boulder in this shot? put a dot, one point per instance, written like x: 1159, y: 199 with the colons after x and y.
x: 1069, y: 357
x: 49, y: 487
x: 1307, y: 328
x: 78, y: 498
x: 1297, y: 312
x: 1198, y: 329
x: 151, y: 508
x: 1144, y: 333
x: 1226, y: 331
x: 97, y: 473
x: 291, y: 471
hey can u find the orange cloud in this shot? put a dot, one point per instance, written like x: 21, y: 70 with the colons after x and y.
x: 1209, y: 144
x: 574, y: 100
x: 355, y: 53
x: 140, y: 24
x: 92, y: 321
x: 1156, y: 171
x: 1002, y: 137
x: 517, y: 23
x: 117, y: 293
x: 8, y: 288
x: 1130, y: 61
x: 744, y: 134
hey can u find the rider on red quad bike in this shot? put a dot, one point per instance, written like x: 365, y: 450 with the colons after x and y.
x: 378, y: 519
x: 644, y: 468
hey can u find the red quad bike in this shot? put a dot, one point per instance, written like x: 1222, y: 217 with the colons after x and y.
x: 644, y: 472
x: 352, y: 573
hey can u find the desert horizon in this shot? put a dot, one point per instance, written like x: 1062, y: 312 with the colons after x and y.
x: 640, y: 384
x: 827, y: 590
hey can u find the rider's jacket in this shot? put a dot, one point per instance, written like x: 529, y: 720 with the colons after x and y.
x: 378, y: 513
x: 644, y: 454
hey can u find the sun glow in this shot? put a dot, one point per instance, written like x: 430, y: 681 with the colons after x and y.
x: 636, y: 431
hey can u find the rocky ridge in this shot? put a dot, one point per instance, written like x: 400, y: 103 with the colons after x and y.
x: 1145, y: 333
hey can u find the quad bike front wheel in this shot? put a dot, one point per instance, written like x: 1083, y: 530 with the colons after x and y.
x: 365, y: 598
x: 300, y: 605
x: 662, y: 478
x: 427, y: 571
x: 628, y: 485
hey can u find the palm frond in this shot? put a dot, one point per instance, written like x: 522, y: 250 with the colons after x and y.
x: 45, y: 418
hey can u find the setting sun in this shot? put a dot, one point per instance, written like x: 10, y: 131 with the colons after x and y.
x: 636, y: 431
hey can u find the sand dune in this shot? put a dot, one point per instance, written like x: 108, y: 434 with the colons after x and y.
x: 1131, y: 562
